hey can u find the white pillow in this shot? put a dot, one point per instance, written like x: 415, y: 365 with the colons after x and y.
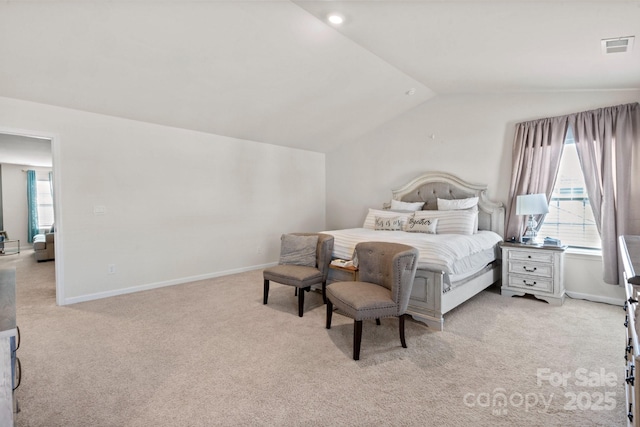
x: 422, y: 225
x: 451, y: 222
x: 370, y: 220
x: 470, y: 204
x: 392, y: 223
x: 456, y: 204
x: 406, y: 206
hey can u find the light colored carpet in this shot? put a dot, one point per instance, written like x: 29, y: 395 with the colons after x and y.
x: 210, y: 353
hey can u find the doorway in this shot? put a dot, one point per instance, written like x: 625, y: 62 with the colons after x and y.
x: 19, y: 152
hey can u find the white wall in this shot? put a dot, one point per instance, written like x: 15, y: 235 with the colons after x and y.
x: 14, y: 200
x: 468, y: 135
x: 179, y: 205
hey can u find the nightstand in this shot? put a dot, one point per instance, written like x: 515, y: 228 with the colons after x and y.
x: 534, y: 270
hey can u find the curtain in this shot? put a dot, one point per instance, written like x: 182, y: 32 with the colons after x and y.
x: 608, y: 145
x: 53, y: 224
x: 51, y: 184
x: 32, y: 205
x: 536, y: 158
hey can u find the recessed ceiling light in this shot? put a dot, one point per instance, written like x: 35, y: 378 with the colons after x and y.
x: 335, y: 19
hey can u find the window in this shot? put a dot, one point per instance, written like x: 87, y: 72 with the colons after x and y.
x: 570, y: 217
x: 45, y: 206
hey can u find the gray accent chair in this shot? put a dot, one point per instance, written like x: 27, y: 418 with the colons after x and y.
x: 302, y: 277
x: 386, y: 277
x: 44, y: 247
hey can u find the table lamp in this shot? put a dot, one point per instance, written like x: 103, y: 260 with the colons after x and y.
x: 531, y: 204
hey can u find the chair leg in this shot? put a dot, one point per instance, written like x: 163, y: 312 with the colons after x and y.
x: 329, y: 313
x: 378, y: 321
x: 300, y: 301
x: 401, y: 323
x: 357, y: 338
x: 266, y: 291
x: 324, y: 291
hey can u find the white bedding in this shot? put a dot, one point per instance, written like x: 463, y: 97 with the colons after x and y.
x: 454, y: 254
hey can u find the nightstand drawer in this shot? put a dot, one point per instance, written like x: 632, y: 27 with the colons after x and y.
x: 538, y: 256
x: 531, y: 269
x: 531, y: 283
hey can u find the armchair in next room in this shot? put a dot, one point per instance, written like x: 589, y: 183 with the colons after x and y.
x: 44, y: 246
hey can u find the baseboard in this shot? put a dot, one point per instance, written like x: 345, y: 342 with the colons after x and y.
x: 595, y: 298
x: 149, y: 286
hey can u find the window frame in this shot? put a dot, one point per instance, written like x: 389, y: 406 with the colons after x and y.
x: 40, y: 205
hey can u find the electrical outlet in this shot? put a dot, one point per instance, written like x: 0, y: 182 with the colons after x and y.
x: 111, y: 269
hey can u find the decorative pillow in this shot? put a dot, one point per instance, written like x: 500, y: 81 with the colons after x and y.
x: 406, y: 206
x: 391, y: 223
x: 457, y: 204
x: 470, y: 204
x: 370, y: 220
x: 422, y: 225
x: 298, y: 250
x: 451, y: 222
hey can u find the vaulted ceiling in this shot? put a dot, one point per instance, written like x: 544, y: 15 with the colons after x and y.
x: 278, y: 72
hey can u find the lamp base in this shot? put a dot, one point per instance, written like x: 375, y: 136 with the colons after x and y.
x: 530, y: 233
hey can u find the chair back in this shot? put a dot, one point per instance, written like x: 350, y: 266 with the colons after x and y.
x: 391, y: 265
x: 324, y: 251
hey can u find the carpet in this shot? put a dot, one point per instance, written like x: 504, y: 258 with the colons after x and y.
x: 209, y: 353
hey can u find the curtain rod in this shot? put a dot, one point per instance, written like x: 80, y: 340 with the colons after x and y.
x: 630, y: 105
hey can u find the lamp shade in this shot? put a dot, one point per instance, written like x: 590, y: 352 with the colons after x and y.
x: 532, y: 204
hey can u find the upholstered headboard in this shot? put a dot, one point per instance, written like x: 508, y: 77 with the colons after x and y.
x: 430, y: 186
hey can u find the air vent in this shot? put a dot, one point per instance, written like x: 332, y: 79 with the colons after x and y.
x: 617, y: 45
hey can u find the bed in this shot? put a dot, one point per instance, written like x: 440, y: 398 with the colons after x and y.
x: 452, y: 268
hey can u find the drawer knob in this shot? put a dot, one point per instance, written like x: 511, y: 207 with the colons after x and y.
x: 530, y: 270
x: 626, y: 321
x: 630, y: 377
x: 529, y: 284
x: 630, y: 414
x: 528, y: 256
x: 632, y: 300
